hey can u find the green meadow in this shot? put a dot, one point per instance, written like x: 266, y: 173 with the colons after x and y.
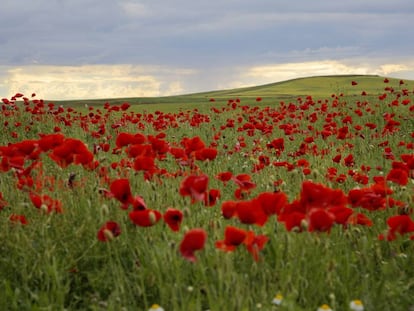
x: 334, y: 147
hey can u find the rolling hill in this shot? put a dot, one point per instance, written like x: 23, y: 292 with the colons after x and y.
x: 318, y: 87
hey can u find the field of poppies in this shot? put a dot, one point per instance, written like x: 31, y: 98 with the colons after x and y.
x: 242, y: 203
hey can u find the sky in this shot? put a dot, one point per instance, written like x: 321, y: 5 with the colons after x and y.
x: 76, y: 49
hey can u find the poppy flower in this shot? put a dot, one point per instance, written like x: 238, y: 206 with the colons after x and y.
x: 244, y: 182
x: 50, y: 141
x: 371, y: 198
x: 121, y: 190
x: 194, y: 240
x: 192, y: 144
x: 360, y: 219
x: 211, y: 198
x: 228, y: 209
x: 233, y: 237
x: 15, y: 218
x: 250, y: 212
x: 145, y: 218
x: 109, y: 231
x: 173, y: 218
x: 401, y: 224
x: 398, y: 176
x: 255, y: 243
x: 318, y: 195
x: 71, y: 151
x: 349, y: 160
x: 178, y: 153
x: 341, y: 214
x: 46, y: 203
x: 195, y: 187
x: 125, y: 139
x: 206, y: 154
x: 3, y: 203
x: 354, y: 83
x: 272, y: 202
x: 137, y: 203
x: 144, y: 163
x: 293, y: 220
x: 320, y: 220
x: 224, y: 176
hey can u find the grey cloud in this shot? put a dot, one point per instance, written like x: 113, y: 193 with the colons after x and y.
x: 201, y: 34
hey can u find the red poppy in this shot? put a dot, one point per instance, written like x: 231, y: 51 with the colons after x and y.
x: 145, y: 218
x: 3, y: 203
x: 278, y: 144
x: 320, y: 219
x: 173, y: 218
x: 71, y: 151
x: 211, y: 198
x: 293, y: 220
x: 178, y: 153
x: 272, y: 202
x: 228, y: 209
x: 50, y: 141
x: 255, y: 243
x: 192, y: 144
x: 137, y: 203
x: 244, y: 182
x: 109, y: 231
x: 318, y: 195
x: 15, y: 218
x: 398, y: 176
x: 349, y: 160
x: 194, y: 240
x: 195, y: 187
x: 360, y: 219
x: 233, y: 237
x: 401, y: 224
x: 121, y: 190
x: 144, y: 163
x: 125, y: 106
x: 250, y: 212
x: 341, y: 214
x: 371, y: 198
x: 206, y: 154
x: 125, y: 139
x: 224, y: 176
x: 46, y: 203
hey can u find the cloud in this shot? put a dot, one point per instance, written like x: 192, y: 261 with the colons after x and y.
x: 263, y: 74
x: 94, y: 81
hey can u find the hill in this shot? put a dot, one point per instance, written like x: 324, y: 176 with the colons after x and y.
x: 318, y: 87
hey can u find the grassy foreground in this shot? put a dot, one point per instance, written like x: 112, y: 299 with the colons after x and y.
x: 302, y: 188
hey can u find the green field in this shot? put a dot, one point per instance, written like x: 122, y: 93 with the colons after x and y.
x: 318, y: 87
x: 306, y: 195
